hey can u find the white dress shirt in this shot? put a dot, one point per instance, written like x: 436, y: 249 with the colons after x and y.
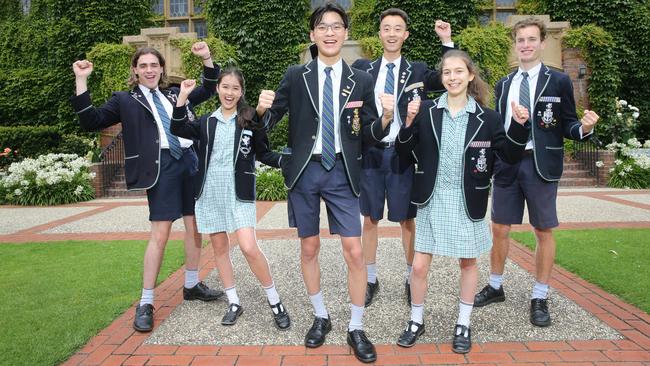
x: 335, y: 74
x: 164, y: 144
x: 379, y: 89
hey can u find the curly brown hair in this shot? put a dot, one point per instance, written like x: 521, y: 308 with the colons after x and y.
x: 133, y: 77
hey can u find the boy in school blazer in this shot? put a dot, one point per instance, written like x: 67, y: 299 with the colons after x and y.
x: 549, y: 96
x: 155, y: 161
x: 386, y: 177
x: 331, y: 114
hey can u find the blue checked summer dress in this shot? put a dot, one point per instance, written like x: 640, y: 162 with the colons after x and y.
x: 218, y: 208
x: 442, y: 226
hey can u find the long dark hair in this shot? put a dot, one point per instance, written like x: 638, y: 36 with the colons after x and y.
x: 477, y: 88
x: 245, y: 112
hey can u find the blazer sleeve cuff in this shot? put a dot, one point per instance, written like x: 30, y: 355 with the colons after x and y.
x: 180, y: 113
x: 405, y: 134
x: 210, y: 73
x: 517, y: 133
x: 377, y: 131
x: 82, y: 102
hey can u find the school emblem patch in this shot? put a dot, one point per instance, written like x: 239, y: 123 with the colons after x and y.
x: 546, y: 117
x: 356, y: 122
x: 481, y: 162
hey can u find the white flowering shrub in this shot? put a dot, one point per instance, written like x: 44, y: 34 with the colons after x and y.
x: 50, y: 179
x: 631, y: 168
x: 622, y: 125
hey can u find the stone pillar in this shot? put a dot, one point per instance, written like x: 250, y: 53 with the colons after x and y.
x: 98, y: 181
x: 575, y: 66
x: 607, y: 157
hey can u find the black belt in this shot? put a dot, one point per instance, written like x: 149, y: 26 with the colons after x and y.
x: 319, y: 157
x: 385, y: 144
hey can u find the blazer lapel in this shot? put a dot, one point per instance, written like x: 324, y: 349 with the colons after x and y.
x: 137, y: 94
x: 473, y: 125
x: 310, y: 77
x: 374, y: 69
x: 347, y: 87
x: 171, y: 97
x: 435, y: 116
x: 403, y: 76
x: 238, y: 136
x: 502, y: 103
x: 542, y: 81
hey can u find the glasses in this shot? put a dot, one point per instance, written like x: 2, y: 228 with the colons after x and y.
x: 335, y: 27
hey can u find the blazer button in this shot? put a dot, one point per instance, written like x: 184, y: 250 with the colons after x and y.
x: 316, y: 119
x: 313, y: 137
x: 157, y: 141
x: 156, y: 161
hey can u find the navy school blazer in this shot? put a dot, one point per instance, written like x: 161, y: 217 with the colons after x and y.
x: 484, y: 138
x: 139, y: 128
x: 414, y: 78
x: 359, y: 123
x: 554, y: 119
x: 248, y: 145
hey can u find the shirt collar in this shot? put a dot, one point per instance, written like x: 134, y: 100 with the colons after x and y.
x: 532, y: 73
x: 397, y: 63
x: 220, y: 118
x: 337, y: 68
x: 470, y: 107
x: 146, y: 90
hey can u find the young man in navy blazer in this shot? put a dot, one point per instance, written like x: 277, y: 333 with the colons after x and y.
x: 155, y: 161
x: 548, y: 94
x: 331, y: 113
x: 385, y: 176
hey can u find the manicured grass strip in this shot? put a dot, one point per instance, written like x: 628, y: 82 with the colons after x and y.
x: 617, y: 260
x: 55, y: 296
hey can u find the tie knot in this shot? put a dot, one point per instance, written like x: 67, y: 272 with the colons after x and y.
x: 328, y: 69
x: 390, y: 66
x: 524, y: 75
x: 153, y: 91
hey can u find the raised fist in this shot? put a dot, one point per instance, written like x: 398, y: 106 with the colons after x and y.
x: 266, y: 98
x: 589, y: 120
x: 443, y: 30
x: 201, y: 49
x: 519, y: 113
x: 412, y: 111
x: 387, y: 104
x: 82, y: 68
x: 187, y: 86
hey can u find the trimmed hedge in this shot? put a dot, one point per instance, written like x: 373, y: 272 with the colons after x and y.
x: 30, y: 141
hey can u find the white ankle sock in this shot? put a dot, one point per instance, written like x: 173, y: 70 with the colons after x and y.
x: 319, y: 305
x: 417, y: 313
x: 147, y: 296
x: 232, y: 295
x: 540, y: 291
x: 496, y: 280
x: 372, y: 272
x: 191, y: 278
x: 272, y: 294
x: 356, y: 317
x: 464, y: 313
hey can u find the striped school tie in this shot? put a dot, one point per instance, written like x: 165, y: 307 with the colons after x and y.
x: 328, y: 154
x: 389, y: 87
x: 174, y: 145
x: 524, y: 97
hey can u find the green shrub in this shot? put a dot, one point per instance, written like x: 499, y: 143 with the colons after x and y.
x: 265, y: 33
x: 111, y: 69
x: 423, y: 43
x: 371, y: 47
x: 598, y: 48
x: 270, y: 185
x: 363, y: 22
x: 30, y: 141
x: 279, y: 136
x: 51, y: 179
x: 627, y: 23
x: 631, y: 168
x: 489, y: 47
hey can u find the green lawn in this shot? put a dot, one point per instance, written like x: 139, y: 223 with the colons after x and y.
x: 617, y: 260
x: 55, y: 296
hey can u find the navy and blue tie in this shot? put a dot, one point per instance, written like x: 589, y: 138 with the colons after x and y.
x: 328, y: 154
x: 389, y: 87
x: 524, y: 96
x: 174, y: 145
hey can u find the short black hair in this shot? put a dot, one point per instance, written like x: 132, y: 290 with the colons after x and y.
x: 317, y: 14
x: 394, y: 11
